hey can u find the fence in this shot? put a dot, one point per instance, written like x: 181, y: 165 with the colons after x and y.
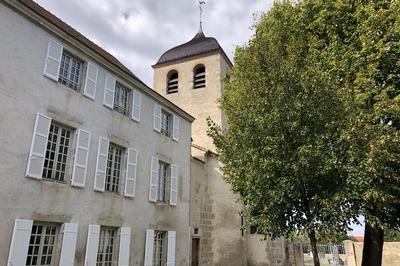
x: 329, y: 254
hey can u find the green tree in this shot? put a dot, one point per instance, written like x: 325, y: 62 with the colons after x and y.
x: 283, y: 150
x: 313, y: 111
x: 374, y: 79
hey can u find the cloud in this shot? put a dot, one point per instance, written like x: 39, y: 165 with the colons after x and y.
x: 138, y: 32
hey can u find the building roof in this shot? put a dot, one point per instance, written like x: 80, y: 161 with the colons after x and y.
x: 200, y: 44
x: 39, y: 10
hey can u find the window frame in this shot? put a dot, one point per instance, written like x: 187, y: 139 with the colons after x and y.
x: 160, y: 237
x: 172, y: 84
x: 168, y: 120
x: 67, y: 80
x: 115, y: 246
x: 67, y: 171
x: 164, y: 178
x: 199, y: 78
x: 110, y: 169
x: 56, y: 250
x: 127, y: 110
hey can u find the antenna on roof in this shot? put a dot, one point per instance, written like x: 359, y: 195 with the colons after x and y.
x: 201, y: 3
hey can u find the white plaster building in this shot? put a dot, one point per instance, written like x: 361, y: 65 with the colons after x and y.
x: 95, y: 166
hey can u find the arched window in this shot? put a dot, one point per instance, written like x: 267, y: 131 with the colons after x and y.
x: 199, y: 77
x: 172, y: 81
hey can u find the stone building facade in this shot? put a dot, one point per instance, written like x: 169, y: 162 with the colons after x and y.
x: 95, y: 165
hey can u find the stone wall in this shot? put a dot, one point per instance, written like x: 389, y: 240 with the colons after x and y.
x: 391, y: 253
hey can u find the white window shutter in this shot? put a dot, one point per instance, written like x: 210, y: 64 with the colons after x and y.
x: 148, y: 254
x: 171, y: 248
x: 81, y: 158
x: 53, y: 60
x: 90, y: 81
x: 70, y: 233
x: 38, y: 147
x: 131, y: 166
x: 109, y: 90
x: 20, y: 242
x: 157, y: 118
x: 154, y: 179
x: 124, y: 246
x: 92, y: 245
x: 137, y: 105
x: 173, y: 194
x: 101, y: 165
x: 175, y: 131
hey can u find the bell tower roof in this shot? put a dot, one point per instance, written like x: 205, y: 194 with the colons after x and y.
x: 198, y: 45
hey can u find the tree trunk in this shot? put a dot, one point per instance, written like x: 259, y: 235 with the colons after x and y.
x: 373, y: 245
x: 313, y: 243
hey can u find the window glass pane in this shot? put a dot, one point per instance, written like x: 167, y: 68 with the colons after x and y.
x: 121, y: 99
x: 106, y: 255
x: 114, y: 164
x: 70, y: 69
x: 159, y: 256
x: 166, y: 123
x: 42, y: 244
x: 162, y: 181
x: 56, y: 153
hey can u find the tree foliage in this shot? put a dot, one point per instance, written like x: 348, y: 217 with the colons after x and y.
x: 283, y: 150
x: 313, y: 114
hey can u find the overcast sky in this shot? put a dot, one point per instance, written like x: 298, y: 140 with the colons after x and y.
x: 137, y: 32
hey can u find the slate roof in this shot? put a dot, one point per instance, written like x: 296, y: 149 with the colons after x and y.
x: 200, y: 44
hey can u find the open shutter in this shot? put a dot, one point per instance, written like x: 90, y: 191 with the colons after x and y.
x: 157, y: 118
x: 101, y: 165
x: 20, y: 242
x: 137, y: 105
x: 67, y: 257
x: 130, y: 181
x: 109, y: 89
x: 154, y: 179
x: 90, y: 81
x: 124, y: 246
x: 53, y: 60
x: 173, y: 195
x: 148, y: 254
x: 38, y: 147
x: 92, y: 245
x: 171, y: 248
x: 81, y: 158
x: 175, y: 131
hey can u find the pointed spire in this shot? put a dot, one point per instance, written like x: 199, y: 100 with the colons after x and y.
x: 201, y: 2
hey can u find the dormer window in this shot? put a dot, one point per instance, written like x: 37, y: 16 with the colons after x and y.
x: 172, y: 82
x: 199, y: 77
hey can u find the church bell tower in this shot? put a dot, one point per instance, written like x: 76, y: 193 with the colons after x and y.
x: 191, y: 76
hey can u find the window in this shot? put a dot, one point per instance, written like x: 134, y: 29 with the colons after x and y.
x: 172, y: 82
x: 166, y: 123
x: 164, y: 173
x: 114, y: 161
x: 42, y: 244
x: 121, y: 99
x: 70, y: 69
x: 253, y: 230
x: 107, y: 251
x: 159, y: 248
x: 199, y: 77
x: 56, y: 153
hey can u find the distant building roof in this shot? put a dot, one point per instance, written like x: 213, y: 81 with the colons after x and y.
x: 199, y: 45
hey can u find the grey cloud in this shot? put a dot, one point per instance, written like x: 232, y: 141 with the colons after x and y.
x: 138, y: 32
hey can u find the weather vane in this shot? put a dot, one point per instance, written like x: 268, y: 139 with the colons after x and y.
x: 201, y: 3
